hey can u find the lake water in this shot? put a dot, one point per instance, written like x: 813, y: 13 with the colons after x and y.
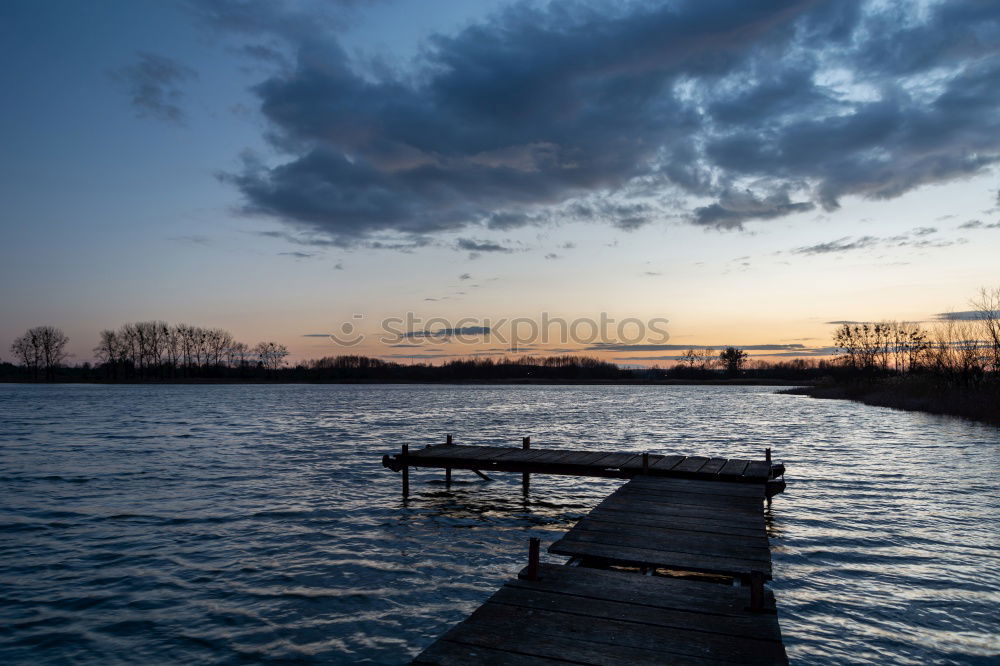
x: 242, y: 523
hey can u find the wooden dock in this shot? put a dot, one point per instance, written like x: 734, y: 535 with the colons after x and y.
x: 669, y: 568
x: 590, y: 616
x: 482, y: 459
x: 697, y: 526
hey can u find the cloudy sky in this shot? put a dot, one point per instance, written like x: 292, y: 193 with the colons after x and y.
x: 748, y: 170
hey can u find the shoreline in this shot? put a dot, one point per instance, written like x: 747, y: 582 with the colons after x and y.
x: 485, y: 382
x: 980, y: 407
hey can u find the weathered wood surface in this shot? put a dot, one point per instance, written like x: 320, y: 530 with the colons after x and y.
x: 581, y: 463
x: 591, y: 616
x: 698, y: 526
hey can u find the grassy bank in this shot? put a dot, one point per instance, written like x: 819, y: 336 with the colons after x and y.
x: 980, y: 402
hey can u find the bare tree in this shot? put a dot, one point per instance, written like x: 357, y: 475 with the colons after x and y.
x: 41, y: 348
x: 26, y: 350
x: 237, y: 354
x: 271, y: 355
x: 109, y: 351
x: 988, y: 307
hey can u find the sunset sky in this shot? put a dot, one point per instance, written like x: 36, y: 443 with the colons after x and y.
x: 750, y: 171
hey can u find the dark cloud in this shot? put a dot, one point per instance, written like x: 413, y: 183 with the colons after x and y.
x: 915, y: 238
x: 979, y: 224
x: 615, y: 112
x: 315, y: 335
x: 735, y: 208
x: 464, y: 276
x: 153, y: 82
x: 298, y: 255
x: 471, y: 245
x: 963, y: 315
x: 845, y: 244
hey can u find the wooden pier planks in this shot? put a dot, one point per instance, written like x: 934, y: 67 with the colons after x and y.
x: 582, y: 463
x: 699, y: 526
x: 590, y: 616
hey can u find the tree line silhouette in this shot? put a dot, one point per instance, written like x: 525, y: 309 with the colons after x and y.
x: 156, y: 351
x: 960, y: 351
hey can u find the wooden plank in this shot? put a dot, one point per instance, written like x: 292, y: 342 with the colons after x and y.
x: 710, y: 523
x: 574, y: 649
x: 619, y: 634
x: 698, y: 486
x: 667, y: 496
x: 733, y: 468
x: 608, y: 524
x: 690, y: 465
x: 723, y: 502
x: 636, y: 462
x: 691, y: 618
x: 559, y: 456
x: 593, y: 544
x: 449, y: 653
x: 587, y: 458
x: 476, y: 453
x: 440, y: 450
x: 675, y: 522
x: 713, y: 466
x: 666, y: 463
x: 665, y: 512
x: 521, y: 455
x: 758, y: 470
x: 655, y: 591
x: 644, y: 502
x: 696, y: 544
x: 614, y: 460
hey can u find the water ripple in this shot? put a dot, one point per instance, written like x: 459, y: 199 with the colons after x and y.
x: 226, y: 524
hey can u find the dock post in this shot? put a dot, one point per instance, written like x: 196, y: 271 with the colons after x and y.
x: 525, y: 476
x: 645, y: 462
x: 767, y: 454
x: 756, y: 591
x: 406, y: 472
x: 533, y: 546
x: 447, y: 470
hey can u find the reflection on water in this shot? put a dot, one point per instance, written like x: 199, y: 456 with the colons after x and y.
x: 233, y: 523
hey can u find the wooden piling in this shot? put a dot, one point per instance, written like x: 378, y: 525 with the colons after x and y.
x: 756, y: 591
x: 767, y: 454
x: 406, y: 472
x: 645, y: 463
x: 525, y: 476
x: 533, y: 548
x: 447, y: 470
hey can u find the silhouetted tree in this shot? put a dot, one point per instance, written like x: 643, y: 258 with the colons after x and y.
x: 988, y: 308
x: 41, y: 348
x: 732, y: 360
x: 271, y: 355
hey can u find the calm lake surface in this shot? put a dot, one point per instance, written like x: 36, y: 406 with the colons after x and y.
x: 242, y: 523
